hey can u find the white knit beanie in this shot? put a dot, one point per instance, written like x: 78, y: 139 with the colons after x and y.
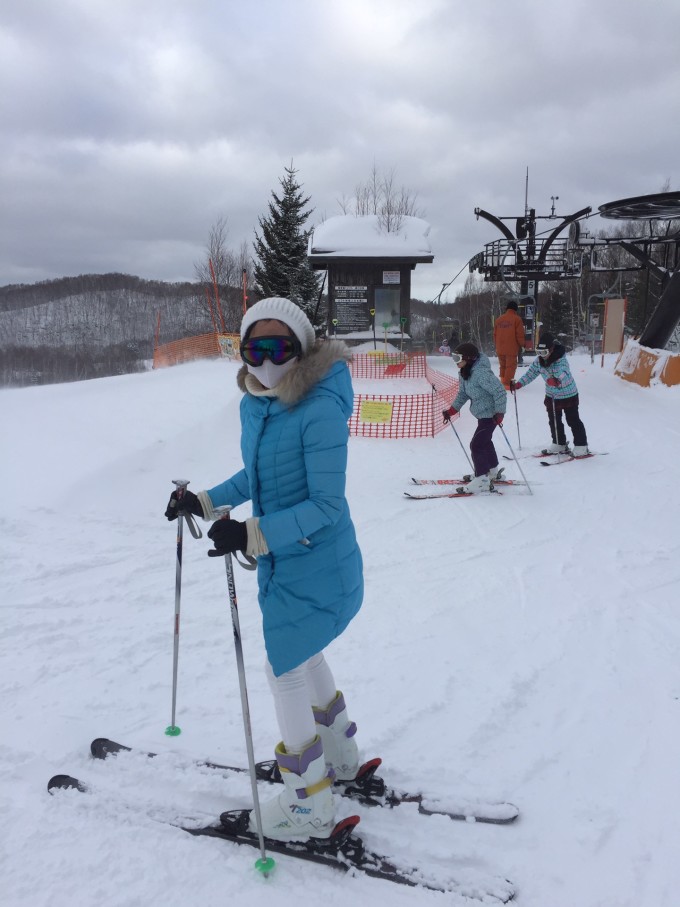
x: 281, y: 309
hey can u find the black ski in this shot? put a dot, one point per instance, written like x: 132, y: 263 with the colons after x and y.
x: 568, y: 458
x: 367, y: 788
x: 563, y: 453
x: 343, y: 850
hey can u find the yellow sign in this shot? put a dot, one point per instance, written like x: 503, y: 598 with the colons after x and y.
x: 375, y: 411
x: 230, y: 345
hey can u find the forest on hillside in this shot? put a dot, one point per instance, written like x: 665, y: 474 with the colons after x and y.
x: 93, y: 325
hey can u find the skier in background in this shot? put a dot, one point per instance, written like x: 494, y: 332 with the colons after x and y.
x: 561, y: 395
x: 297, y: 399
x: 488, y: 402
x: 508, y: 338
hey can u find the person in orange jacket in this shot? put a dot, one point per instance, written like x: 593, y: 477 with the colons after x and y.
x: 508, y: 338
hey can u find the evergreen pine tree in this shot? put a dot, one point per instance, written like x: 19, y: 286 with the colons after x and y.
x: 282, y: 267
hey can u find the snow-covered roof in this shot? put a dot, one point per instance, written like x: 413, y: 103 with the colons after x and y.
x: 346, y: 236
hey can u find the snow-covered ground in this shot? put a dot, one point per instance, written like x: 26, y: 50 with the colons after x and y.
x: 523, y: 647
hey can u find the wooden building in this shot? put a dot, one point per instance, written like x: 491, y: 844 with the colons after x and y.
x: 369, y: 273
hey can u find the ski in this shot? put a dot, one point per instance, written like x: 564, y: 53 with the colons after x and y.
x: 543, y: 454
x: 367, y: 788
x: 452, y: 494
x: 568, y: 458
x: 343, y: 850
x: 464, y: 481
x: 565, y: 455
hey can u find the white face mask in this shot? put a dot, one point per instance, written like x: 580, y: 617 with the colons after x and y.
x: 268, y: 374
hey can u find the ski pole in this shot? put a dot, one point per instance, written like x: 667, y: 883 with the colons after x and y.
x: 172, y: 730
x: 519, y: 440
x: 461, y: 444
x: 515, y: 459
x: 264, y: 864
x: 554, y: 409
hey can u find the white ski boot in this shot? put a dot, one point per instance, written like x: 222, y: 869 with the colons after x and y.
x: 304, y: 809
x: 579, y: 452
x: 337, y: 734
x: 556, y: 449
x: 495, y: 474
x: 477, y: 485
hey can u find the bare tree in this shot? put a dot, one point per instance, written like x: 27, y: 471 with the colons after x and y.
x: 228, y: 269
x: 380, y: 196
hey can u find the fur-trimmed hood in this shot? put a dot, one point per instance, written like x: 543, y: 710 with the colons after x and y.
x: 308, y: 373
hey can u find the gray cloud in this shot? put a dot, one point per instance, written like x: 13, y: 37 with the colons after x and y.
x: 128, y: 128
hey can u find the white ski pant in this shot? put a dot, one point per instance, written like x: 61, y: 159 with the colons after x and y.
x: 295, y: 692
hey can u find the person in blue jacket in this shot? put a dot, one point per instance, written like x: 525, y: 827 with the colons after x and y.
x: 488, y: 402
x: 561, y: 395
x: 297, y: 399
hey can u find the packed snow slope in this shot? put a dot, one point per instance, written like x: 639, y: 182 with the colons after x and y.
x: 521, y: 647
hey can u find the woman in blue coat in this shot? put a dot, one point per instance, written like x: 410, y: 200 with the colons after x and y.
x: 297, y: 400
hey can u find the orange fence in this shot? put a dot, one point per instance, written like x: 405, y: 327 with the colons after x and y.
x: 205, y: 346
x: 400, y: 415
x: 374, y: 415
x: 645, y: 367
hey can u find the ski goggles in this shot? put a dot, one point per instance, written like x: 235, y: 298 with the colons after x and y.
x: 457, y: 358
x: 543, y: 352
x: 277, y: 349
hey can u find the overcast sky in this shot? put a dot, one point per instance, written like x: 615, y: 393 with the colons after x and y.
x: 129, y: 127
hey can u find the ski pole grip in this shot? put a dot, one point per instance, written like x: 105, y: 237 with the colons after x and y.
x: 181, y: 487
x: 191, y: 523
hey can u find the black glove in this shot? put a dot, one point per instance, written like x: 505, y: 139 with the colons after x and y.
x: 228, y: 536
x: 188, y: 503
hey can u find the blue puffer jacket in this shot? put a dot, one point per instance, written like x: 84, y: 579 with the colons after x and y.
x: 485, y: 392
x: 294, y: 449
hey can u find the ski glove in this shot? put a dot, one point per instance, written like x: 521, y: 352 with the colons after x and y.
x: 447, y: 414
x: 553, y: 382
x: 188, y: 503
x: 228, y: 536
x: 498, y: 418
x: 514, y: 385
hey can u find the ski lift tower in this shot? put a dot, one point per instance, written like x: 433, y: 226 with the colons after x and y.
x: 658, y: 251
x: 526, y: 258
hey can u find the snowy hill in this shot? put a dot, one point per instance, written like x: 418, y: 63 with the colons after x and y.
x: 522, y: 647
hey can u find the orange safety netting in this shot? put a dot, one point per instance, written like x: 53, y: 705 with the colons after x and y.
x: 373, y: 415
x: 400, y: 415
x: 204, y: 346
